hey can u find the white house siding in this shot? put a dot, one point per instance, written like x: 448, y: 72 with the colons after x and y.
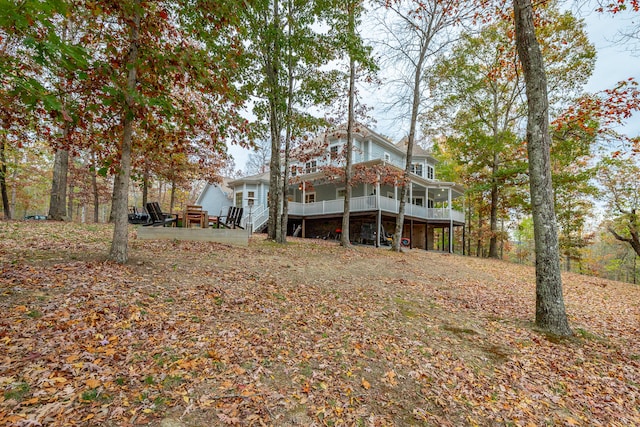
x: 213, y: 199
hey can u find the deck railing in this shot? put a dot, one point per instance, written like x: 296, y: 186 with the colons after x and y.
x: 258, y: 218
x: 369, y: 203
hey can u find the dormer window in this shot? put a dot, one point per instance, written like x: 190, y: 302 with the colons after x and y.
x: 430, y: 172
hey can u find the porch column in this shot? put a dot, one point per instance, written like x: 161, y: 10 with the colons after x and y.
x: 244, y: 194
x: 395, y: 190
x: 379, y: 227
x: 411, y: 198
x: 304, y: 199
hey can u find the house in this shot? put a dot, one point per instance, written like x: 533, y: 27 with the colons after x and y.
x: 215, y: 197
x: 316, y: 192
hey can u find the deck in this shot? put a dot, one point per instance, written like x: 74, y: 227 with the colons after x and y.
x: 370, y: 203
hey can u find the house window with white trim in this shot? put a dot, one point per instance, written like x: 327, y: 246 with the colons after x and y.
x: 430, y: 172
x: 239, y: 199
x: 251, y: 197
x: 387, y: 157
x: 310, y: 197
x: 418, y: 201
x: 416, y: 168
x: 294, y: 170
x: 334, y: 150
x: 311, y: 167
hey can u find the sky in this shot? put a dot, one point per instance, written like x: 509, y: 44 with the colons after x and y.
x: 614, y: 63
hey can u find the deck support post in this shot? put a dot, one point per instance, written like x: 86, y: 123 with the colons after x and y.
x: 379, y: 227
x: 379, y: 215
x: 411, y: 235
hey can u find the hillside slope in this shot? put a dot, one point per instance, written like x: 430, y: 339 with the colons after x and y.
x: 195, y: 334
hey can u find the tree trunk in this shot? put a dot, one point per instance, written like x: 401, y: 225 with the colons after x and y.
x: 479, y: 243
x: 70, y: 201
x: 415, y: 106
x: 284, y: 219
x: 58, y: 199
x: 493, y: 218
x: 94, y: 188
x: 115, y: 191
x: 145, y: 188
x: 346, y: 215
x: 550, y: 310
x: 172, y: 199
x: 120, y: 242
x: 272, y: 70
x: 3, y: 180
x: 470, y: 212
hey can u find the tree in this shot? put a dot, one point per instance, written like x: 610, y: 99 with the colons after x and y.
x: 572, y: 174
x: 550, y: 310
x: 418, y: 32
x: 620, y: 177
x: 288, y: 53
x: 345, y: 27
x: 479, y: 90
x: 259, y: 158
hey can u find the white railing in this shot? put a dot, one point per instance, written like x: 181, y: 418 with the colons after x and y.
x: 369, y: 203
x: 259, y: 217
x: 389, y: 205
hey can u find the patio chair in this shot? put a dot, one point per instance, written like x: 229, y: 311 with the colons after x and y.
x: 232, y: 218
x: 159, y: 218
x: 136, y: 217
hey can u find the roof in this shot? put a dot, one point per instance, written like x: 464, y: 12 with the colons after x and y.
x: 222, y: 185
x: 251, y: 179
x: 418, y: 151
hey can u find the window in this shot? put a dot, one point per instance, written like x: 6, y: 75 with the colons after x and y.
x: 333, y: 152
x: 418, y: 201
x: 294, y: 170
x: 430, y: 203
x: 430, y: 173
x: 340, y: 193
x: 239, y: 199
x: 310, y: 167
x: 310, y: 197
x: 251, y: 196
x: 387, y: 157
x: 416, y: 168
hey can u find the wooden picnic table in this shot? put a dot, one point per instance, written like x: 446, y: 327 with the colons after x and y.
x: 194, y: 214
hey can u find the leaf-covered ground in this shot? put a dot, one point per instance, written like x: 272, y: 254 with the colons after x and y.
x: 201, y: 334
